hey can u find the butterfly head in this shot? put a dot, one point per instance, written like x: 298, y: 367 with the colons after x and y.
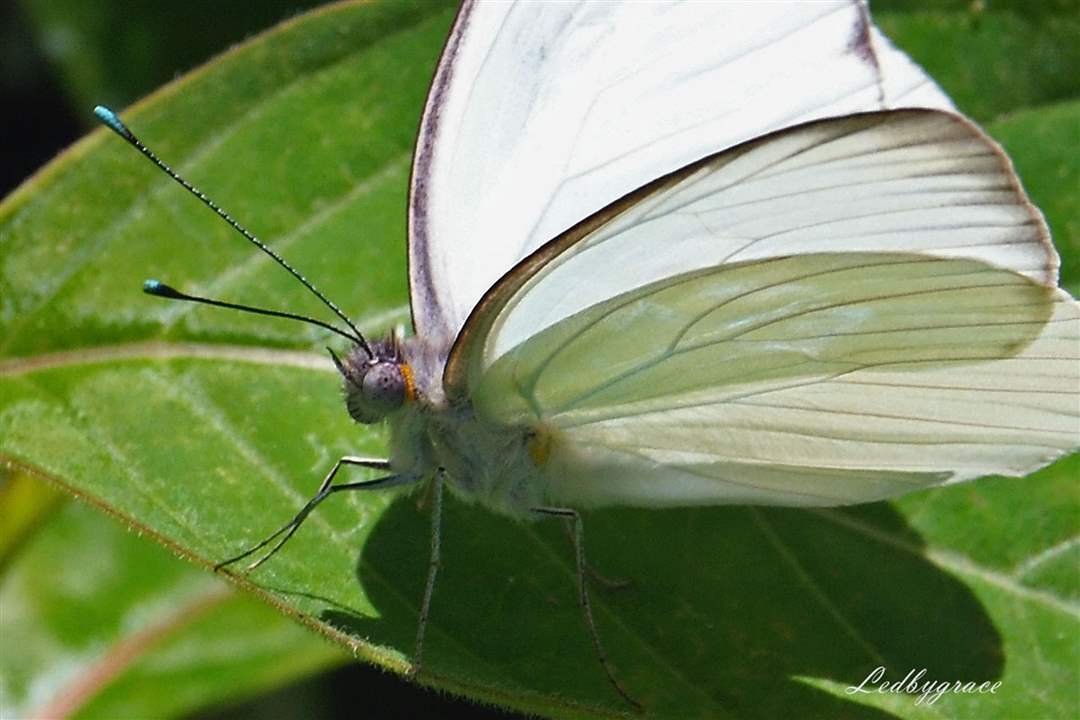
x: 378, y: 384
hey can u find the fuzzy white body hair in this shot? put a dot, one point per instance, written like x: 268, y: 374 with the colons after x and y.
x: 500, y: 467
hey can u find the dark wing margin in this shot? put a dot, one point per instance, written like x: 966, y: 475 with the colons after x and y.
x: 429, y: 319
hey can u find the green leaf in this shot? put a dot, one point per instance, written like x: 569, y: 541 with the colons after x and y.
x: 109, y: 625
x: 133, y: 687
x: 207, y: 430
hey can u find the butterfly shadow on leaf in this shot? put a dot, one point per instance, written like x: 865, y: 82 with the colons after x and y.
x: 732, y: 612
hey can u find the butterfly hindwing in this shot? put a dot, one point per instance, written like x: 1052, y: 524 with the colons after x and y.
x: 821, y: 379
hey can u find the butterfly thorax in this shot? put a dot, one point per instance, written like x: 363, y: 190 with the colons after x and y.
x: 498, y: 466
x: 493, y: 464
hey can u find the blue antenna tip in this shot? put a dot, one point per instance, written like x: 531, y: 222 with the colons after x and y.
x: 160, y: 289
x: 112, y: 121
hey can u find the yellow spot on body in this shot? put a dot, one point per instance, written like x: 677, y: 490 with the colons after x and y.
x: 539, y: 447
x: 410, y: 386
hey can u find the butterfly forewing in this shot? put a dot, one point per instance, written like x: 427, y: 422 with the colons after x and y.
x: 542, y: 113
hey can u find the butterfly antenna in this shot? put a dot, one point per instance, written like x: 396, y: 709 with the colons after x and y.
x: 160, y: 289
x: 113, y: 122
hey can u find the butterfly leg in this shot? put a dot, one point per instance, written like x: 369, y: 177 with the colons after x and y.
x: 573, y: 518
x: 607, y: 582
x: 433, y: 571
x: 325, y: 490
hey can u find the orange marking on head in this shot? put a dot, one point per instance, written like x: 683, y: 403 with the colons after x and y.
x: 410, y: 385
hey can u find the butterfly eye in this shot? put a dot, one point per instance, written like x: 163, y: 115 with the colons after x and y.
x: 382, y: 390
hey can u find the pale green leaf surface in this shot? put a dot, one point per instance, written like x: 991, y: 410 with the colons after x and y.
x: 202, y: 428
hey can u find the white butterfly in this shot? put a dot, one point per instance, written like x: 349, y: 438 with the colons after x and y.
x: 669, y: 254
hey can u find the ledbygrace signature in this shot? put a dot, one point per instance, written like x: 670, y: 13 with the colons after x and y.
x: 928, y: 691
